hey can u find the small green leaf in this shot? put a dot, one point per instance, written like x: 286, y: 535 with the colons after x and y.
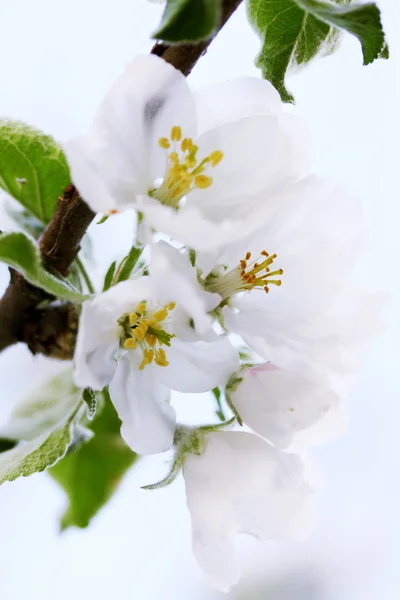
x: 33, y: 168
x: 109, y: 276
x: 90, y: 473
x: 43, y: 409
x: 127, y: 265
x: 39, y: 454
x: 189, y: 20
x: 45, y: 425
x: 102, y: 220
x: 20, y: 252
x: 295, y: 31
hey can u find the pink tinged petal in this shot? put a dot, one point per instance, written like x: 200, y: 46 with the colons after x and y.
x: 241, y: 484
x: 199, y: 366
x: 277, y: 403
x: 232, y: 100
x: 120, y: 156
x: 142, y: 404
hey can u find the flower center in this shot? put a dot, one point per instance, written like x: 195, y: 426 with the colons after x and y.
x: 184, y: 171
x: 247, y: 275
x: 145, y: 330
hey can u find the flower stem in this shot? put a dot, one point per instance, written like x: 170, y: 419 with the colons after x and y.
x: 85, y: 275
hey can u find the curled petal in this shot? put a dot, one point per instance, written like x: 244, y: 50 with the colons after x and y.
x: 241, y: 484
x: 142, y: 404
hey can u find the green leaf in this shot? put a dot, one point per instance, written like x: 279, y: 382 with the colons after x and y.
x: 20, y: 252
x: 189, y: 20
x: 361, y: 20
x: 39, y: 454
x: 127, y: 265
x: 109, y: 276
x: 43, y: 409
x: 45, y: 424
x: 25, y: 220
x: 295, y: 31
x: 33, y: 168
x: 91, y: 472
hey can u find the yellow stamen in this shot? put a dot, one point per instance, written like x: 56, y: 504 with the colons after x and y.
x: 246, y: 275
x: 161, y: 314
x: 161, y: 358
x: 216, y: 157
x: 141, y: 307
x: 130, y: 344
x: 140, y: 331
x: 186, y: 144
x: 185, y: 171
x: 151, y: 340
x: 171, y: 305
x: 164, y: 143
x: 133, y: 318
x: 202, y: 181
x: 176, y: 133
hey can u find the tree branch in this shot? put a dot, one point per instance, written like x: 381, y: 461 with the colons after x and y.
x: 28, y: 314
x: 25, y: 312
x: 184, y: 56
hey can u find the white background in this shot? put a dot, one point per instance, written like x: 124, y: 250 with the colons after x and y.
x: 57, y: 60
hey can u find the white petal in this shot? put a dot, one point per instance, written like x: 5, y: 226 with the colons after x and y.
x: 260, y: 153
x: 164, y: 256
x: 231, y: 100
x: 142, y: 404
x: 97, y: 343
x: 219, y: 561
x: 120, y: 156
x: 241, y: 484
x: 277, y: 403
x: 192, y: 228
x: 96, y: 348
x: 333, y: 425
x: 199, y: 366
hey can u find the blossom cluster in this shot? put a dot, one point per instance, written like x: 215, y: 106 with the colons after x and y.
x: 244, y: 287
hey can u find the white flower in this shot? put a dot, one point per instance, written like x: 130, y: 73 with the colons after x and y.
x: 277, y: 403
x: 144, y: 337
x: 287, y: 290
x: 241, y: 484
x: 188, y: 162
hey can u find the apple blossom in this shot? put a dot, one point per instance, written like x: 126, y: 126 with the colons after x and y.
x: 143, y: 338
x: 238, y: 483
x: 188, y: 163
